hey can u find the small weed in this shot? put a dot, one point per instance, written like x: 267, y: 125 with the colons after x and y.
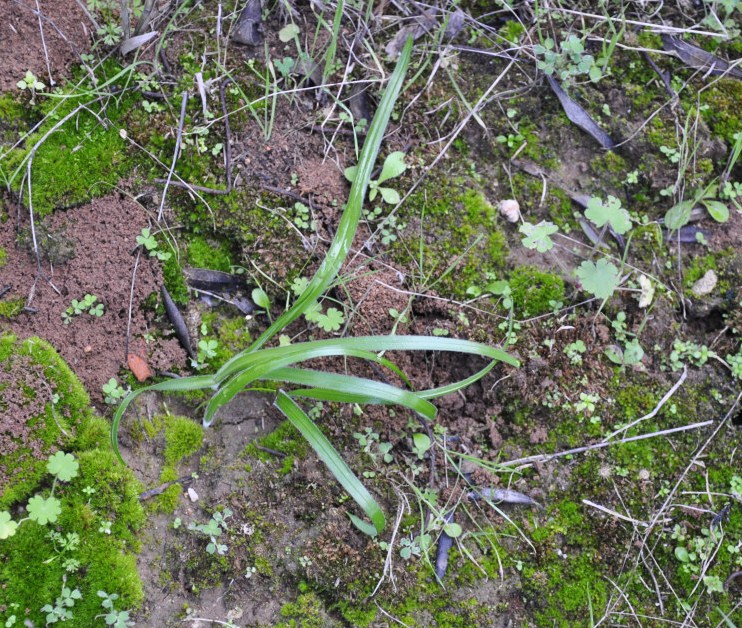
x: 87, y: 304
x: 214, y: 529
x: 117, y: 619
x: 149, y: 242
x: 113, y: 392
x: 394, y: 166
x: 31, y: 84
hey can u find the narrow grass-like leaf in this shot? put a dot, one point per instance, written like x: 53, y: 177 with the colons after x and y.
x: 349, y: 221
x: 329, y: 455
x: 252, y: 366
x: 349, y: 389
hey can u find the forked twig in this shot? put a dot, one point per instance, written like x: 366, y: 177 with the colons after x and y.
x: 657, y: 408
x: 579, y: 450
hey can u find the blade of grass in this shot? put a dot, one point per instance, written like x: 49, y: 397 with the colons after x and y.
x: 349, y: 221
x: 327, y: 453
x: 252, y: 366
x: 337, y: 387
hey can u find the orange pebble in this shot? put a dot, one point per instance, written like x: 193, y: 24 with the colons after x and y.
x: 139, y: 367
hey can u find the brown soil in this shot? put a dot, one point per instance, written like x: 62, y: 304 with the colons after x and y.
x: 46, y: 43
x: 87, y: 250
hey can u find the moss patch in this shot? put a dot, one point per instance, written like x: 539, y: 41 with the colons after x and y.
x: 535, y: 292
x: 100, y: 509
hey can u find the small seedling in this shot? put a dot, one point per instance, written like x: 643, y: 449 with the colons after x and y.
x: 113, y: 391
x: 394, y: 166
x: 40, y: 509
x: 117, y: 619
x: 32, y: 84
x: 87, y: 304
x: 213, y: 529
x: 61, y: 609
x: 149, y: 242
x: 420, y: 444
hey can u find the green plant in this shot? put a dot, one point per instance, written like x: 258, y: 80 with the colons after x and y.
x: 213, y: 529
x: 149, y: 242
x: 277, y: 364
x: 574, y: 351
x: 570, y: 61
x: 87, y: 304
x: 61, y: 609
x: 394, y: 166
x: 113, y: 391
x: 40, y: 509
x: 117, y: 619
x: 32, y: 84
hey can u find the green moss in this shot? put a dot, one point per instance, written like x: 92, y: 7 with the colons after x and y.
x: 512, y: 31
x: 306, y: 612
x: 722, y: 112
x: 55, y: 427
x: 458, y: 243
x: 3, y: 257
x: 534, y: 291
x: 286, y: 439
x: 10, y: 308
x: 697, y: 268
x: 183, y: 437
x: 32, y: 566
x: 81, y: 159
x: 202, y: 254
x: 174, y: 281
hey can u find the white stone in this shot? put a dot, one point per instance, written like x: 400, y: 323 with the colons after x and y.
x: 706, y: 284
x: 192, y: 495
x: 510, y: 209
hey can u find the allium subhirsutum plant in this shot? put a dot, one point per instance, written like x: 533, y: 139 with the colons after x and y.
x: 279, y: 364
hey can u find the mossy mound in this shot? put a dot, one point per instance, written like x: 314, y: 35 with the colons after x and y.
x: 90, y: 545
x: 452, y: 237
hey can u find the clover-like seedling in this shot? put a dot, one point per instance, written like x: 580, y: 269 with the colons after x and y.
x: 113, y: 391
x: 599, y: 278
x: 30, y: 83
x: 610, y: 212
x: 63, y: 466
x: 149, y: 242
x: 538, y: 236
x: 394, y: 166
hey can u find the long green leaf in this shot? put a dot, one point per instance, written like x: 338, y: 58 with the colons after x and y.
x: 349, y: 389
x: 348, y: 225
x: 372, y: 344
x: 329, y: 455
x: 254, y: 366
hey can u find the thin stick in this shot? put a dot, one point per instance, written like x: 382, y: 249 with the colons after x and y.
x: 227, y: 155
x: 175, y: 153
x: 579, y: 450
x: 615, y: 514
x: 43, y: 45
x: 131, y: 304
x: 654, y: 412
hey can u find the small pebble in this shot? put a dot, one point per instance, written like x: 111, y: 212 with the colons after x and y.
x: 192, y: 495
x: 706, y: 284
x: 510, y: 208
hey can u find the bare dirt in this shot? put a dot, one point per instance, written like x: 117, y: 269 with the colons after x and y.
x: 88, y: 250
x: 44, y: 37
